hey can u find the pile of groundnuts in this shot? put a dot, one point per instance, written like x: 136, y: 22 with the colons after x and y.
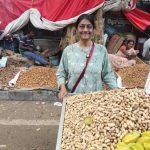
x: 97, y: 121
x: 37, y: 77
x: 134, y: 76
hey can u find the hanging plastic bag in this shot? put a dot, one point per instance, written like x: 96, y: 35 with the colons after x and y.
x: 147, y: 85
x: 14, y: 80
x: 3, y: 62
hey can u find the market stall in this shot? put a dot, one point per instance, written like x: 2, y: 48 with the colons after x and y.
x: 98, y: 121
x: 28, y: 78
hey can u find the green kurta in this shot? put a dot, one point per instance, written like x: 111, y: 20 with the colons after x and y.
x: 99, y: 69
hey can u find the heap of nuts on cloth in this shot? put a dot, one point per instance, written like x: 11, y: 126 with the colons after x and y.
x: 6, y: 74
x: 134, y: 76
x: 37, y: 77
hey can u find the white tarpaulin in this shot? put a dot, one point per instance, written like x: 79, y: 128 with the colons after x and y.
x: 39, y: 22
x: 147, y: 85
x: 117, y: 5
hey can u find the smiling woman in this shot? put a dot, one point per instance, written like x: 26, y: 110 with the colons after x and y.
x: 85, y: 64
x: 84, y: 28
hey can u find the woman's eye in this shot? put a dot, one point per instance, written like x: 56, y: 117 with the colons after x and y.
x: 86, y: 26
x: 81, y: 26
x: 89, y: 26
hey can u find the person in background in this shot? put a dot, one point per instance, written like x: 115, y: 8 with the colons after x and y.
x: 127, y: 50
x: 74, y: 60
x: 28, y: 49
x: 146, y: 46
x: 8, y: 42
x: 1, y: 52
x: 125, y: 55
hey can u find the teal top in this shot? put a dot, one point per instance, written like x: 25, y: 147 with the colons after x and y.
x: 99, y: 69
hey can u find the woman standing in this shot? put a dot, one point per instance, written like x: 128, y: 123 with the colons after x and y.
x: 70, y: 74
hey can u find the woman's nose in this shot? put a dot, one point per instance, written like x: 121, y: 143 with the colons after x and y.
x: 85, y: 28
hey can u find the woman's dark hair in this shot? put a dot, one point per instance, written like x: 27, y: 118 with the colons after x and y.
x: 87, y: 17
x: 147, y: 31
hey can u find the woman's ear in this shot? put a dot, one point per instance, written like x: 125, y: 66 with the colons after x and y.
x: 74, y: 31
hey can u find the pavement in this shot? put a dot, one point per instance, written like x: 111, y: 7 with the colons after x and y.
x: 29, y: 95
x: 28, y: 125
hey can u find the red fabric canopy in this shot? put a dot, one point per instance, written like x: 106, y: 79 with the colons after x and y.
x: 138, y: 18
x: 53, y: 10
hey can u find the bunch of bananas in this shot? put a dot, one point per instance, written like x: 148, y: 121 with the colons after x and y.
x: 135, y: 141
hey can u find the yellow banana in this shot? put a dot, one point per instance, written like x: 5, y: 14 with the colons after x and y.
x: 130, y: 144
x: 139, y: 146
x: 147, y: 146
x: 131, y: 137
x: 144, y: 139
x: 146, y: 133
x: 120, y: 144
x: 126, y: 147
x: 133, y: 147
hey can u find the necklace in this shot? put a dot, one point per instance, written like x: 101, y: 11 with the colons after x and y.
x: 86, y: 47
x: 85, y: 50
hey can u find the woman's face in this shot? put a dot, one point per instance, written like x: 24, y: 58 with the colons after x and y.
x: 85, y: 29
x: 130, y: 45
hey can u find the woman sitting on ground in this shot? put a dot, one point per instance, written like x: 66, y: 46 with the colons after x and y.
x: 125, y: 55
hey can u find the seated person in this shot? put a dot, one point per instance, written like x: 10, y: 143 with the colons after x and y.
x: 27, y: 49
x: 124, y: 56
x: 1, y: 52
x: 146, y: 46
x: 9, y: 44
x: 127, y: 50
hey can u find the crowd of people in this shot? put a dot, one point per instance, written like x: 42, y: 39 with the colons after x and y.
x: 84, y: 65
x: 25, y: 45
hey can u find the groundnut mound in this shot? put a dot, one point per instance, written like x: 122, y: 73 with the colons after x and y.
x: 134, y: 76
x: 37, y: 77
x: 6, y: 74
x: 97, y: 121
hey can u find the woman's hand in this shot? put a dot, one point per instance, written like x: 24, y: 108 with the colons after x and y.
x: 63, y: 92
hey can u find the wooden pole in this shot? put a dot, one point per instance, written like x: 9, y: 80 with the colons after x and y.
x: 98, y: 32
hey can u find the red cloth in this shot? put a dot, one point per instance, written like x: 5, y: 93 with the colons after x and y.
x: 123, y: 48
x: 138, y: 18
x: 53, y: 10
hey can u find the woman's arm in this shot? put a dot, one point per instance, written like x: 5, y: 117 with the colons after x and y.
x: 108, y: 76
x: 123, y: 49
x: 21, y: 46
x: 63, y: 92
x: 62, y: 74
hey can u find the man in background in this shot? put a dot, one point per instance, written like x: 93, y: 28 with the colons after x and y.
x: 28, y: 49
x: 146, y: 47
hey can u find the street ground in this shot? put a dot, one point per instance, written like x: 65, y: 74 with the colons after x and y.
x: 28, y: 125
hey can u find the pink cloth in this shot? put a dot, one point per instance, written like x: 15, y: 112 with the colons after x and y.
x: 120, y: 62
x: 131, y: 51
